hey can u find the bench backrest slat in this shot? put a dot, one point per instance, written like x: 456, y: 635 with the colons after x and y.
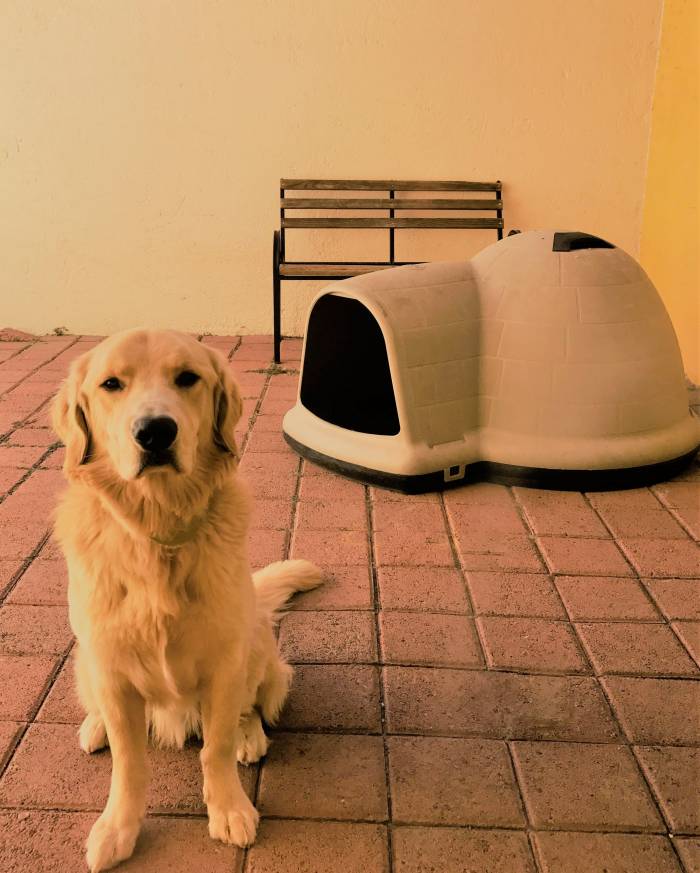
x: 385, y: 203
x: 491, y: 223
x: 383, y: 185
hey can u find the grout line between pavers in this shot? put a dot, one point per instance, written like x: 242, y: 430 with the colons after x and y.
x: 465, y: 584
x: 50, y: 450
x: 31, y: 373
x: 39, y: 702
x: 28, y: 561
x: 627, y: 741
x: 523, y: 805
x: 376, y: 600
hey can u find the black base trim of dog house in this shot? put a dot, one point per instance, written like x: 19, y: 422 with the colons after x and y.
x: 504, y: 474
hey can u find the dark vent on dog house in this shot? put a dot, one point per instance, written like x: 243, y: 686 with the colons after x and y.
x: 346, y: 378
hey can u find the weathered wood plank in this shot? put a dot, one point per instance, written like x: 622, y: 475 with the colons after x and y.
x: 416, y: 223
x: 335, y: 270
x: 384, y: 185
x: 386, y: 203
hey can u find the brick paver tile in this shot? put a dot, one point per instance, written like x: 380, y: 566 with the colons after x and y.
x: 583, y: 557
x: 679, y: 495
x: 605, y: 597
x: 559, y: 513
x: 663, y: 557
x: 53, y: 842
x: 330, y: 637
x: 663, y: 711
x: 22, y: 682
x: 460, y: 850
x: 270, y: 474
x: 626, y: 647
x: 689, y: 850
x: 265, y: 547
x: 485, y: 494
x: 319, y: 847
x: 414, y: 547
x: 43, y: 582
x: 605, y: 853
x: 61, y: 703
x: 8, y: 571
x: 676, y: 598
x: 34, y: 630
x: 514, y: 594
x: 429, y: 638
x: 501, y: 553
x: 409, y: 516
x: 467, y: 520
x: 385, y: 495
x: 332, y: 514
x: 577, y: 786
x: 531, y: 644
x: 9, y: 478
x: 324, y: 776
x: 49, y: 770
x: 634, y: 522
x: 674, y: 775
x: 14, y: 457
x: 689, y: 633
x: 632, y: 498
x: 343, y: 588
x: 33, y: 436
x: 8, y: 734
x: 349, y: 547
x: 271, y: 514
x: 434, y: 589
x: 485, y: 703
x: 439, y: 780
x: 333, y: 697
x: 267, y: 441
x: 319, y: 484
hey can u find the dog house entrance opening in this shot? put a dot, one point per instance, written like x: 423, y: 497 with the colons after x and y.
x: 346, y: 379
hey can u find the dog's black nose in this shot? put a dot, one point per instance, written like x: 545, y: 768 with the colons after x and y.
x: 155, y: 434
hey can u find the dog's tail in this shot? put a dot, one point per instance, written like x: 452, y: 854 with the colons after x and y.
x: 276, y: 583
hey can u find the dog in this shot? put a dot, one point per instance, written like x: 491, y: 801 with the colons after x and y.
x: 175, y: 636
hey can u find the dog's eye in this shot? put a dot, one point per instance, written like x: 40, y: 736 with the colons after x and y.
x: 112, y: 384
x: 186, y: 379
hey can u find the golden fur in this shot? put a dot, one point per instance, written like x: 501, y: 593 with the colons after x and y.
x: 174, y: 634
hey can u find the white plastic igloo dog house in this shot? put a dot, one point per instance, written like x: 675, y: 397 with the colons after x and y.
x: 548, y: 360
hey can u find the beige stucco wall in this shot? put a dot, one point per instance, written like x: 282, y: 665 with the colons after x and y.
x: 670, y: 229
x: 141, y: 143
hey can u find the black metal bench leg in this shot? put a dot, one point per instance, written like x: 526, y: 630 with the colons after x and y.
x: 276, y: 303
x: 276, y: 298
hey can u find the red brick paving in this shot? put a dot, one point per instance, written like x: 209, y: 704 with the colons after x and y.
x: 493, y: 679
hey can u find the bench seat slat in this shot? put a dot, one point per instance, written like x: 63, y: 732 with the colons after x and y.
x: 317, y: 270
x: 386, y: 203
x: 383, y: 185
x: 492, y: 223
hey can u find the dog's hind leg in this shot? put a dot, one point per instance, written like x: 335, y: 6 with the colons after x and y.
x: 252, y: 742
x: 92, y: 734
x: 274, y: 688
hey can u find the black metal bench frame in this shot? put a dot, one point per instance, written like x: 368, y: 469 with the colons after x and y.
x: 283, y: 270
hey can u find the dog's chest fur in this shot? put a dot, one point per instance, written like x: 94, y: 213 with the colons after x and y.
x: 156, y: 615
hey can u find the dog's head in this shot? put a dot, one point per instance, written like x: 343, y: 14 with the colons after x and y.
x: 149, y: 403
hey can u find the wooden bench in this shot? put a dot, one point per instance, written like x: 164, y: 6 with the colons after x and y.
x: 395, y: 218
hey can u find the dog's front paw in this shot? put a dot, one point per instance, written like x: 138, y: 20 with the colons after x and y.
x: 109, y: 843
x: 236, y: 823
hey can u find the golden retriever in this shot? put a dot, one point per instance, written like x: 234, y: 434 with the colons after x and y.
x: 175, y: 637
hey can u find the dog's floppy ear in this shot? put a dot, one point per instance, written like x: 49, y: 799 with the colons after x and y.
x: 228, y: 405
x: 69, y: 418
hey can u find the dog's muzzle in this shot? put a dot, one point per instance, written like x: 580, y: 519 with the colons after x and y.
x: 155, y: 436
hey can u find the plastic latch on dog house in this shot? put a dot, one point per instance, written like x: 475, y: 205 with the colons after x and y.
x: 451, y: 474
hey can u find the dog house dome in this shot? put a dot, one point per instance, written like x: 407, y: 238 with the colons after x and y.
x: 548, y: 359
